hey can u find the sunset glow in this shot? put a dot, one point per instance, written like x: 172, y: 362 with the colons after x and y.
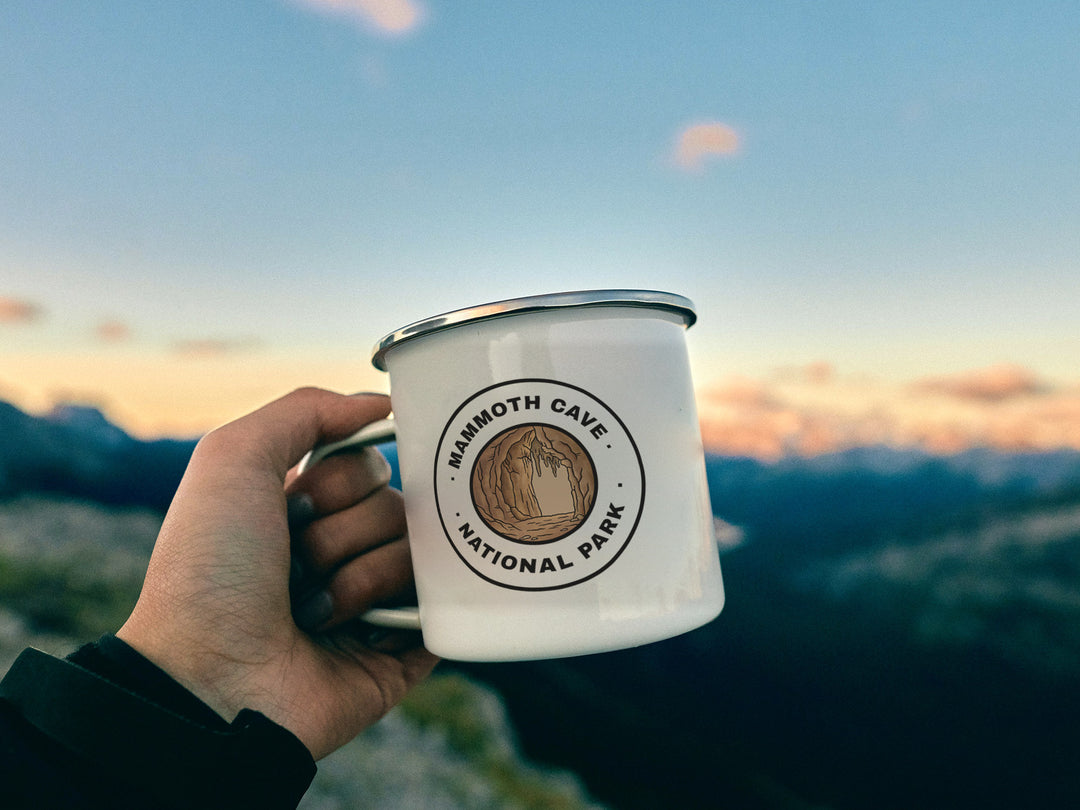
x: 181, y: 395
x: 796, y: 411
x: 1005, y: 408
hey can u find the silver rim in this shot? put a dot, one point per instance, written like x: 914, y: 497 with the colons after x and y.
x: 648, y: 299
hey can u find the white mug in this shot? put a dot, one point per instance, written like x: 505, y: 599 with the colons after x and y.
x: 553, y: 473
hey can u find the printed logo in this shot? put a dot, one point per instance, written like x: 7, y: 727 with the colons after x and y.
x: 538, y: 484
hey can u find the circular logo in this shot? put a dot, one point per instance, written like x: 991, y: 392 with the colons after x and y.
x: 538, y: 484
x: 513, y: 496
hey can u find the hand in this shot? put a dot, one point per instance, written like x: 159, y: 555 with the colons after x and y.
x: 215, y: 611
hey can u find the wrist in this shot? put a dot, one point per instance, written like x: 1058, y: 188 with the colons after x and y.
x: 205, y: 675
x: 122, y: 665
x: 190, y: 759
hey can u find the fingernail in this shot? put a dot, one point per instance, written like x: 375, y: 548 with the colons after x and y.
x: 300, y: 510
x: 392, y: 641
x: 314, y: 611
x: 376, y: 636
x: 377, y: 465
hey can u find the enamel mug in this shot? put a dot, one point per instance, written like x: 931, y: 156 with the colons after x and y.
x: 553, y: 472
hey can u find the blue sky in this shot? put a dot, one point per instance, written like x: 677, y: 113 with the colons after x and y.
x: 895, y: 191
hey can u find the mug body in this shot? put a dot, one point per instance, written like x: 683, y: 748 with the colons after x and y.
x: 554, y: 475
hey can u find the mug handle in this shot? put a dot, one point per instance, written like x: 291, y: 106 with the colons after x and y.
x: 375, y: 433
x: 403, y: 618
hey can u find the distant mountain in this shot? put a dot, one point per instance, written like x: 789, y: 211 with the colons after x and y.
x: 75, y: 451
x: 831, y: 503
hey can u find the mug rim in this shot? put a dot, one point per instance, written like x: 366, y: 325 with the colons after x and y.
x: 646, y: 299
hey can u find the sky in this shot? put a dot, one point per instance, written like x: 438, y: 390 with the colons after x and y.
x: 874, y: 207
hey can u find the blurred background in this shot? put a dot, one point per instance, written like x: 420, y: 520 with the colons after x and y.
x: 876, y: 210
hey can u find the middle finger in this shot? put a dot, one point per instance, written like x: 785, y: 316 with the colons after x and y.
x: 332, y: 540
x: 341, y: 480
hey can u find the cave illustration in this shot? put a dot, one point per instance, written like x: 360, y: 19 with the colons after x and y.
x: 533, y: 484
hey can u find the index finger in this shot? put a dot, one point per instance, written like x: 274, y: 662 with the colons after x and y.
x: 285, y: 429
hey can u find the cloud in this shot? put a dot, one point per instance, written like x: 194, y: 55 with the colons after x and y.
x: 992, y: 384
x: 744, y: 417
x: 699, y: 141
x: 391, y: 17
x: 16, y: 310
x: 739, y: 392
x: 112, y: 332
x: 818, y: 372
x: 1047, y: 422
x: 816, y: 410
x: 208, y: 348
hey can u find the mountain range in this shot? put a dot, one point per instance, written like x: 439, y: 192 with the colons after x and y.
x: 75, y: 451
x: 902, y: 630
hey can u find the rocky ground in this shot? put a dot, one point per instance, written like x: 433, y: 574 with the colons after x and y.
x: 70, y: 571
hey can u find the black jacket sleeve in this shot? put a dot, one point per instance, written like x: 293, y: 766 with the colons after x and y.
x: 107, y: 728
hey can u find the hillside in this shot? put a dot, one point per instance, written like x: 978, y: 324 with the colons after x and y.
x: 887, y: 656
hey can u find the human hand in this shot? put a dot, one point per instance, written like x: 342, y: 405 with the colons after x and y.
x: 215, y: 611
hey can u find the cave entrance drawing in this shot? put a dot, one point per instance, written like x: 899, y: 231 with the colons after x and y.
x: 533, y: 484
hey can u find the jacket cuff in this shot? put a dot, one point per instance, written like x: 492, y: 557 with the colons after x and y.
x: 190, y: 759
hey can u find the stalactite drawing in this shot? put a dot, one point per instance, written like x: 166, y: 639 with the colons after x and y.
x: 533, y: 484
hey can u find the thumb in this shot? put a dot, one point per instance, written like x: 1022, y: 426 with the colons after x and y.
x: 287, y: 428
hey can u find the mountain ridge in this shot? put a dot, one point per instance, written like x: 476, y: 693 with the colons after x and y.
x: 75, y: 450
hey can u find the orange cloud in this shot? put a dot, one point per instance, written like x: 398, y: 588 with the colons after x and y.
x: 699, y: 141
x: 818, y: 372
x: 206, y: 348
x: 809, y: 411
x: 738, y: 392
x: 988, y: 384
x: 745, y: 417
x: 112, y: 332
x: 384, y: 16
x: 15, y: 310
